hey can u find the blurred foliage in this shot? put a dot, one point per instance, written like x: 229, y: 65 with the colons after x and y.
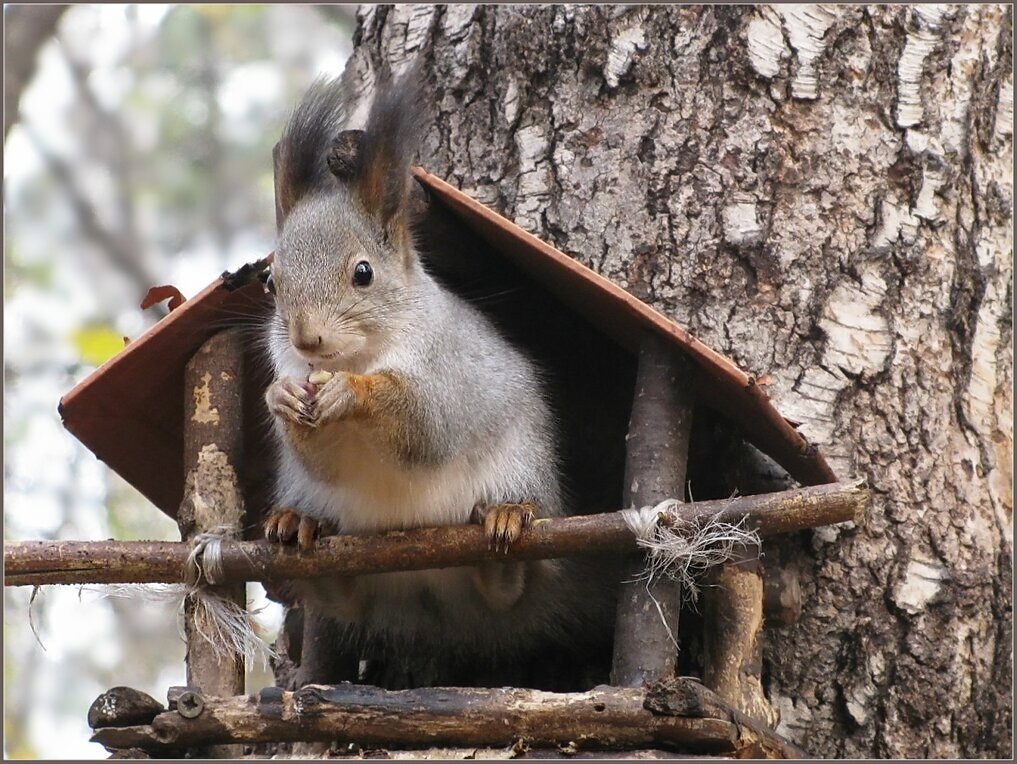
x: 17, y: 272
x: 142, y: 156
x: 97, y: 344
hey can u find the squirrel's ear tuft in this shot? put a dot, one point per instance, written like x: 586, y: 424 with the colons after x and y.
x: 386, y: 148
x: 299, y: 156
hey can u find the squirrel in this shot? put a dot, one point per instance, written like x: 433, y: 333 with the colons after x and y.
x: 420, y: 413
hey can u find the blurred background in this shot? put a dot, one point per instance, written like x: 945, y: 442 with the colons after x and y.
x: 137, y: 151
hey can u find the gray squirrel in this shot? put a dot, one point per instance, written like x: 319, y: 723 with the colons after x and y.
x: 397, y: 404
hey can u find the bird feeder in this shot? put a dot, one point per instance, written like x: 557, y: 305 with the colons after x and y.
x: 179, y: 414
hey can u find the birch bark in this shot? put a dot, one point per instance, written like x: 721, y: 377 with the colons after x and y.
x: 824, y: 194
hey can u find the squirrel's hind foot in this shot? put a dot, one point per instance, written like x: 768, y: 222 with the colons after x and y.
x: 502, y: 584
x: 503, y: 523
x: 284, y: 526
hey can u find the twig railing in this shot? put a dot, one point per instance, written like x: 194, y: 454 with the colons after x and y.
x: 672, y: 713
x: 30, y: 563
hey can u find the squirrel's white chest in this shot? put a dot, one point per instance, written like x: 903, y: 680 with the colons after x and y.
x: 365, y: 490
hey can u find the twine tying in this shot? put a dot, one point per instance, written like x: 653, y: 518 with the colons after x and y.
x: 683, y: 550
x: 205, y: 558
x: 224, y: 624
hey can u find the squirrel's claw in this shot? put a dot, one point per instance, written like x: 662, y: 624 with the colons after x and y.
x: 503, y: 523
x: 306, y: 416
x: 288, y: 400
x: 284, y: 526
x: 333, y: 400
x: 307, y: 533
x: 281, y: 524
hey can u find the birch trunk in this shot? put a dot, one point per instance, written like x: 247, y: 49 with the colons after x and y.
x: 824, y: 194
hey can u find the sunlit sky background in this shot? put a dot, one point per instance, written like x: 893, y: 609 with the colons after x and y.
x: 54, y: 488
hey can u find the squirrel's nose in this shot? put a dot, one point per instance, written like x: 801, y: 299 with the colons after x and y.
x: 304, y: 338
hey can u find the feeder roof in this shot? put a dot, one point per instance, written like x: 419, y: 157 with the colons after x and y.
x: 129, y: 412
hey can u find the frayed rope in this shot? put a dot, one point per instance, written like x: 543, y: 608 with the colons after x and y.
x: 224, y: 624
x: 229, y: 628
x: 683, y: 550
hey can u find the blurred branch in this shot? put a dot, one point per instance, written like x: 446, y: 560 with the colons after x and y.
x: 121, y: 252
x: 208, y: 83
x: 122, y: 244
x: 115, y: 144
x: 20, y: 672
x: 26, y: 28
x: 344, y: 14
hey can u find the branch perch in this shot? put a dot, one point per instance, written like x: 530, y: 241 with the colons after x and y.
x: 30, y: 563
x: 605, y: 717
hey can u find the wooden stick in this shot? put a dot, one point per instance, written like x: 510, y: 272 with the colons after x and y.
x: 476, y: 753
x: 605, y: 717
x: 562, y: 752
x: 733, y: 624
x: 733, y: 605
x: 213, y: 443
x: 29, y: 563
x: 656, y: 457
x: 683, y: 697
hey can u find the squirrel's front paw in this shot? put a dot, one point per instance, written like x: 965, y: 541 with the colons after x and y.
x: 286, y: 525
x: 290, y: 400
x: 333, y: 400
x: 504, y: 522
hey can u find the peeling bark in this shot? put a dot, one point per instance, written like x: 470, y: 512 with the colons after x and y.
x: 213, y: 449
x: 825, y: 196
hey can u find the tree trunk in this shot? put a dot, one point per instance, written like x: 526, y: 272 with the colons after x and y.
x: 26, y: 30
x: 824, y: 194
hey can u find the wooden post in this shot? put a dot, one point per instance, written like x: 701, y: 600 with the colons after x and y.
x: 733, y: 607
x: 733, y: 622
x: 657, y: 449
x: 213, y: 437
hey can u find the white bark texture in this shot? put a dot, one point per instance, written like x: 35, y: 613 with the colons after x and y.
x: 824, y: 194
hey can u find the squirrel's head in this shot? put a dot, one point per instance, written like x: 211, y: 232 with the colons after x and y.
x: 345, y: 266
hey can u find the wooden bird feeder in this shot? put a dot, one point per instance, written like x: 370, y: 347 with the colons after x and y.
x: 183, y: 404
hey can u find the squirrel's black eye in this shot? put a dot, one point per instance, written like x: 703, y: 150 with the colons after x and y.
x: 362, y: 274
x: 270, y: 283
